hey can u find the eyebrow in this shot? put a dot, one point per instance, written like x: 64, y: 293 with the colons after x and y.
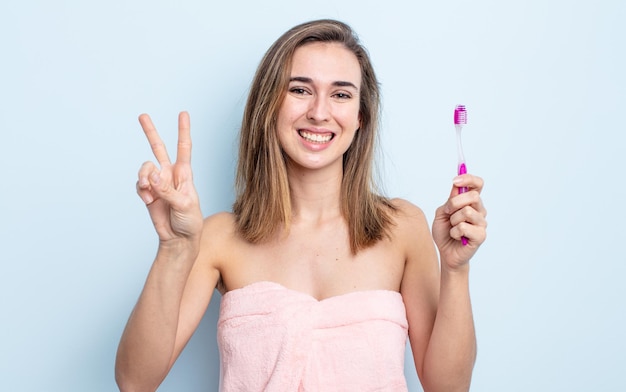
x: 338, y: 83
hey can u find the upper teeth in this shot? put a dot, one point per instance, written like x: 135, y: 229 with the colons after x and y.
x: 315, y: 137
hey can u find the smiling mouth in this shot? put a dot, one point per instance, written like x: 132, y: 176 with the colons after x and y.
x: 315, y: 137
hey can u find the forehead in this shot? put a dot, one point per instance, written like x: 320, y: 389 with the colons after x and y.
x: 326, y: 62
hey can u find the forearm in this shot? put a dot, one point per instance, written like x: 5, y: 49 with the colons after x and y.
x: 147, y: 344
x: 451, y: 352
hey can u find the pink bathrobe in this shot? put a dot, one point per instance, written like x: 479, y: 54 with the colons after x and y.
x: 275, y: 339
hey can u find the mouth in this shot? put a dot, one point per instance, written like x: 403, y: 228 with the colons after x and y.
x: 315, y: 137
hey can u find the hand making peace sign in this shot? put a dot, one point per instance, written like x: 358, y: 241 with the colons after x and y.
x: 168, y: 190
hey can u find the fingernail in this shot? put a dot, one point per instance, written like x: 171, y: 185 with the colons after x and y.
x: 457, y: 180
x: 154, y: 178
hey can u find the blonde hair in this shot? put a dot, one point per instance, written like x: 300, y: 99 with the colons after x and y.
x: 263, y: 201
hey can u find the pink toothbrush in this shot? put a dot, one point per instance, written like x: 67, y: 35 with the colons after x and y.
x: 460, y: 119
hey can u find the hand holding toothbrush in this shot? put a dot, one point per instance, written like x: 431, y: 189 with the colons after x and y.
x: 460, y: 226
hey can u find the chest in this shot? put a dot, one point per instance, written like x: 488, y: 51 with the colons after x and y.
x: 318, y: 262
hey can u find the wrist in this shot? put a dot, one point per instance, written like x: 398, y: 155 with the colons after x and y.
x: 457, y: 271
x: 454, y: 282
x: 180, y: 248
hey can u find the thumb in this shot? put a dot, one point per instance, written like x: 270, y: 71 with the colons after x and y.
x: 457, y: 184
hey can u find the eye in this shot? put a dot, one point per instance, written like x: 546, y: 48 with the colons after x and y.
x: 297, y: 91
x: 342, y: 95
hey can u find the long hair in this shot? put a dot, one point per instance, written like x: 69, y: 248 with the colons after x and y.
x: 263, y: 201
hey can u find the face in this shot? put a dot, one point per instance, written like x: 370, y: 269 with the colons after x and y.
x: 320, y: 114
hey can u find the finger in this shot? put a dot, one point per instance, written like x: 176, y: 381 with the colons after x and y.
x: 145, y: 194
x: 161, y: 187
x: 183, y: 154
x: 457, y: 202
x: 468, y: 181
x: 157, y: 145
x: 475, y: 234
x: 469, y: 223
x: 470, y: 199
x: 144, y: 173
x: 468, y: 215
x: 144, y: 189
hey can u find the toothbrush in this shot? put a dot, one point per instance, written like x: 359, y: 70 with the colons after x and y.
x: 460, y: 119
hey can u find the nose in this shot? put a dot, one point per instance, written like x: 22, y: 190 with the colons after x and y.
x: 319, y: 109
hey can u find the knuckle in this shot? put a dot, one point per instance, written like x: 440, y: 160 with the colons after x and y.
x: 454, y: 203
x: 463, y: 226
x: 146, y: 168
x: 157, y: 145
x: 164, y: 187
x: 467, y: 212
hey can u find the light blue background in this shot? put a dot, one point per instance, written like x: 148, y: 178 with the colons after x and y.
x: 545, y: 89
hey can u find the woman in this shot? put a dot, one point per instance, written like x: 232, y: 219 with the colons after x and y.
x: 322, y: 278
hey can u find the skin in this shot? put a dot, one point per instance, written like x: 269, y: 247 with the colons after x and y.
x: 314, y: 257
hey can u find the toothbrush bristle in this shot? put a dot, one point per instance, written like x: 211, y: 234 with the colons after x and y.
x: 460, y: 115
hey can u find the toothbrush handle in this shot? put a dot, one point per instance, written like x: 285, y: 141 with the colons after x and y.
x: 462, y: 170
x: 463, y: 189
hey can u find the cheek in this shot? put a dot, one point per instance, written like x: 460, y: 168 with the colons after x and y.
x: 352, y: 118
x: 284, y: 127
x: 288, y: 114
x: 283, y: 121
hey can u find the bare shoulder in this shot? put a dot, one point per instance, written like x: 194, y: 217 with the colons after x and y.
x: 412, y: 232
x: 408, y: 217
x: 219, y: 223
x: 406, y: 207
x: 218, y: 234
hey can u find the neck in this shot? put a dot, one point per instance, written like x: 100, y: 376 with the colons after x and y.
x: 315, y: 194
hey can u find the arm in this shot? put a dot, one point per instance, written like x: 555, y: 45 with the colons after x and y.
x: 173, y: 299
x: 441, y: 326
